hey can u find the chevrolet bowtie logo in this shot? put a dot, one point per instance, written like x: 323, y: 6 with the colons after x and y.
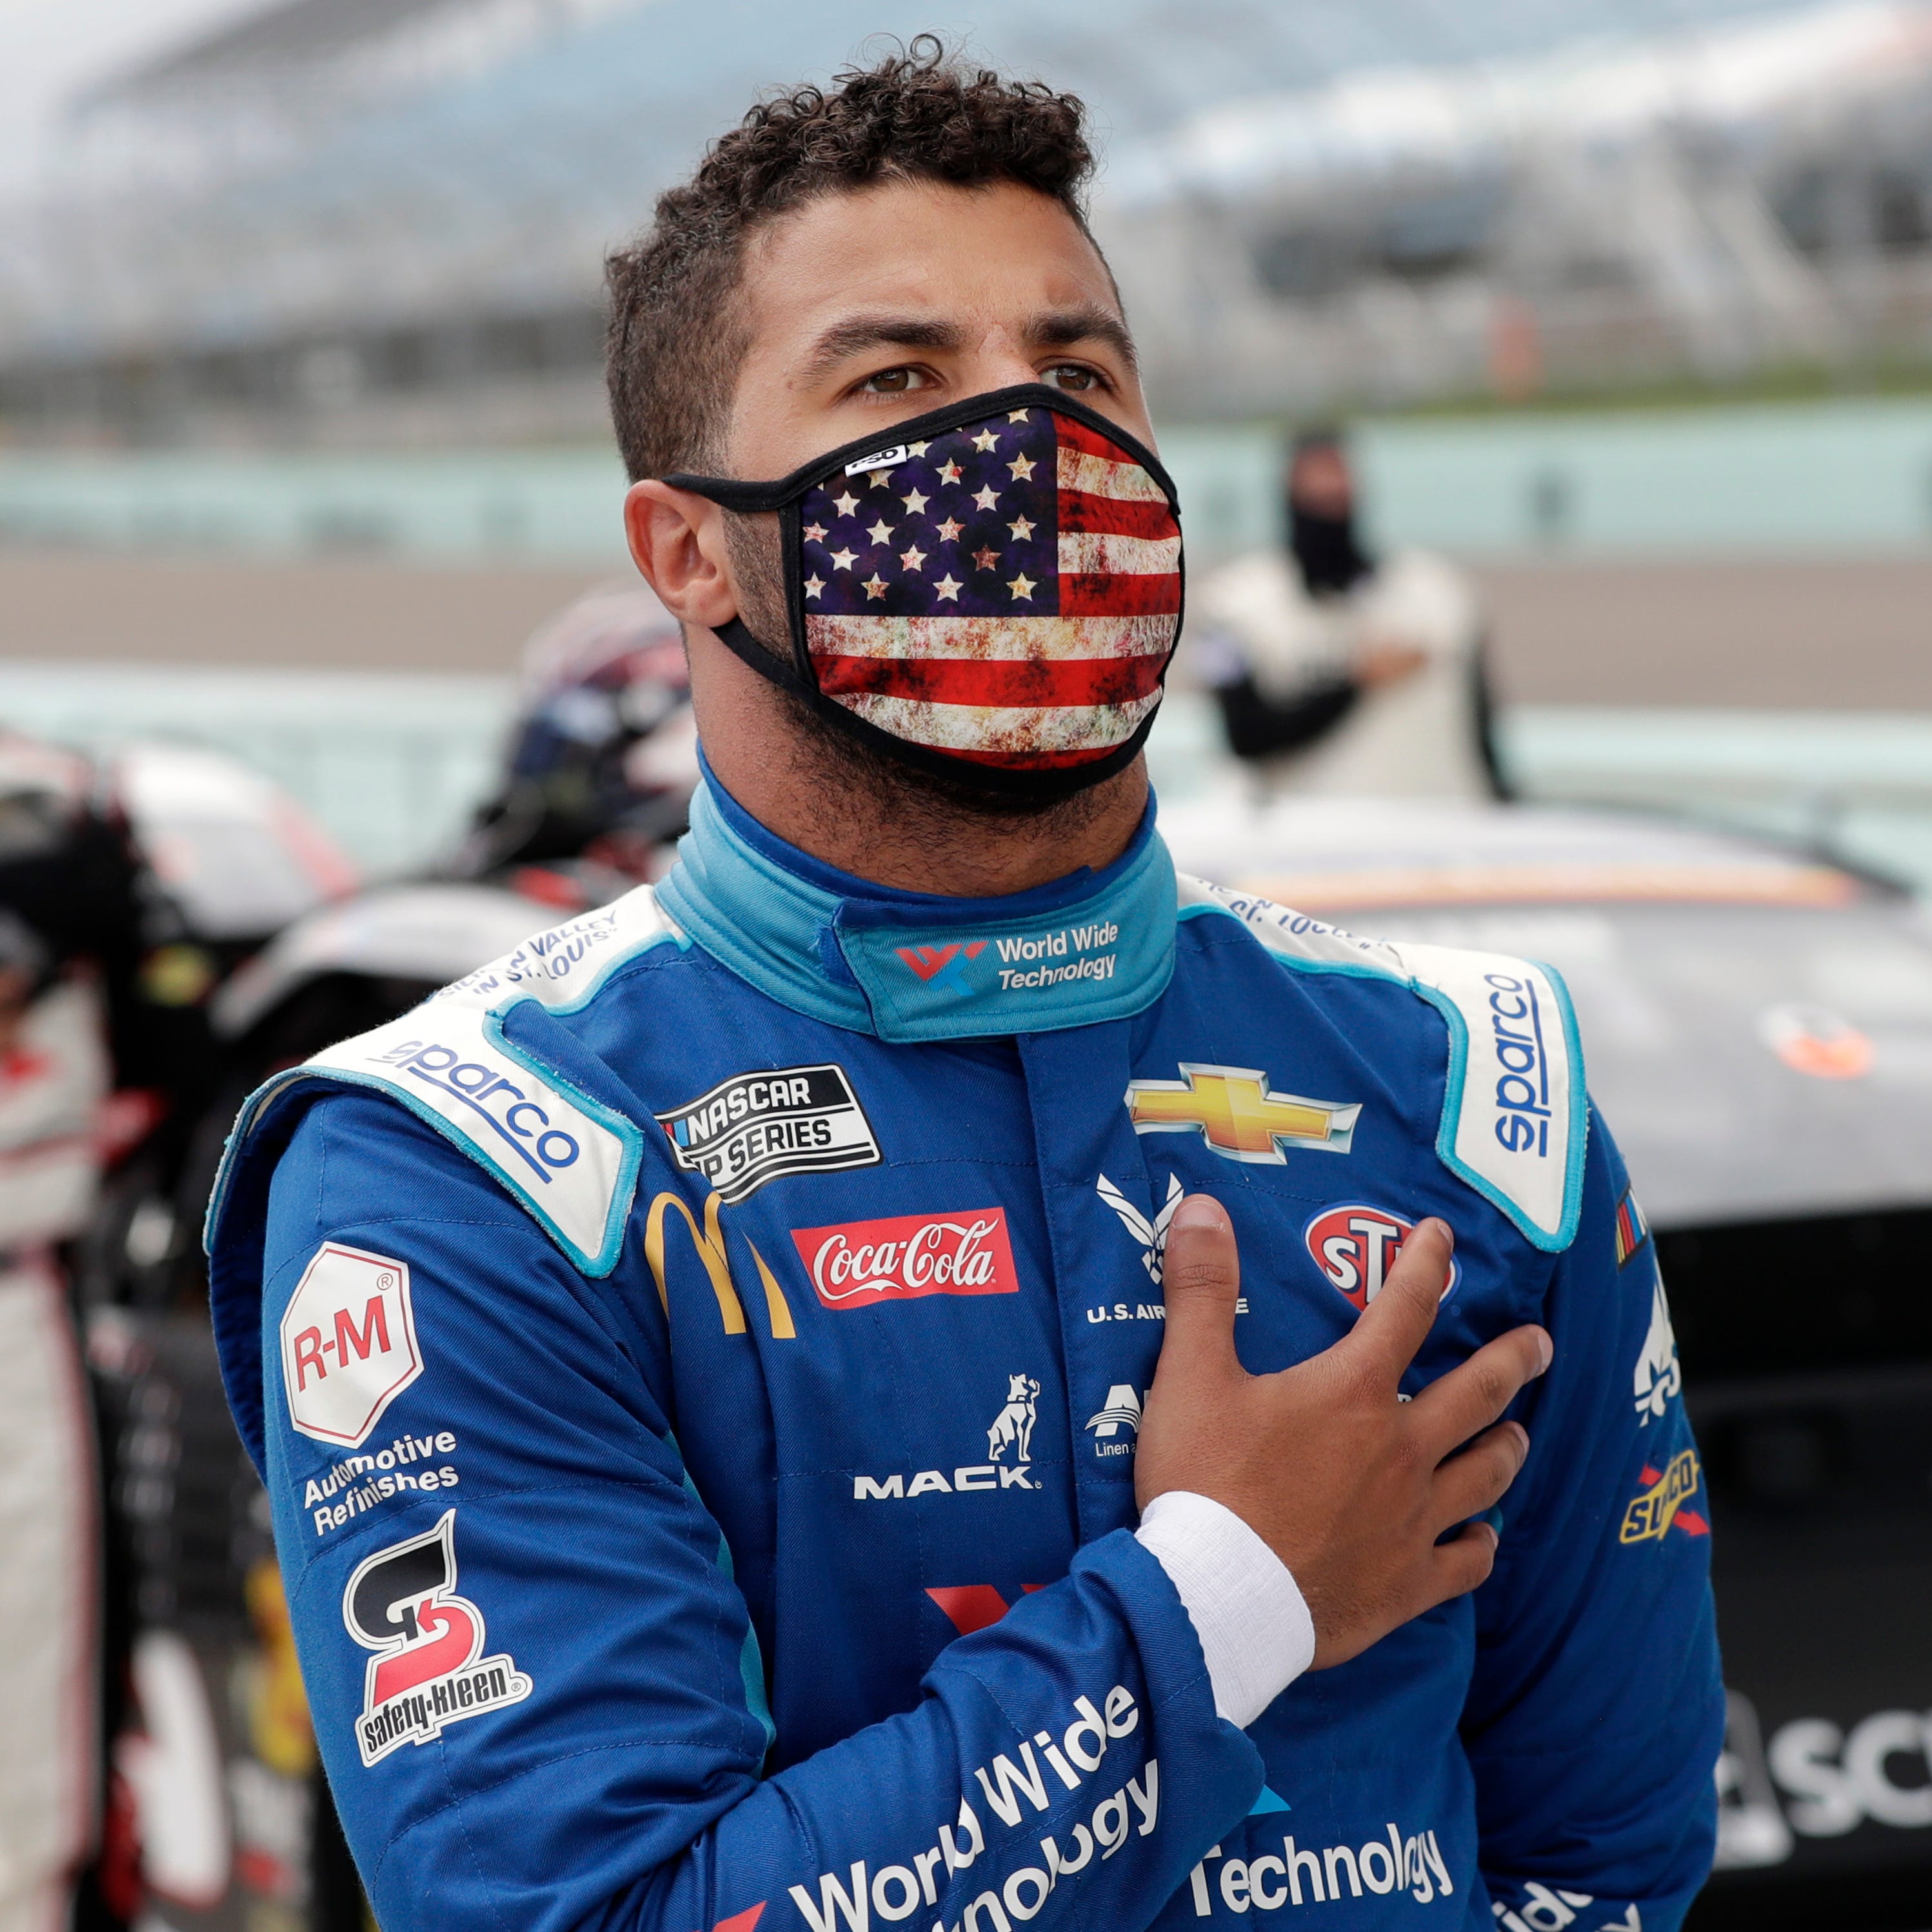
x: 1237, y: 1114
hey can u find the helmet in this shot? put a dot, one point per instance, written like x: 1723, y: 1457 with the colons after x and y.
x: 603, y: 757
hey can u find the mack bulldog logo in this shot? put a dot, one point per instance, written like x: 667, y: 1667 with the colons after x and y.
x: 1011, y: 1430
x: 1354, y: 1246
x: 348, y: 1343
x: 863, y: 1263
x: 1013, y: 1427
x: 756, y: 1126
x: 428, y: 1669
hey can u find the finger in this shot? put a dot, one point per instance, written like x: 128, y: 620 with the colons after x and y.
x: 1395, y: 1324
x: 1472, y: 1396
x: 1478, y: 1479
x: 1460, y: 1565
x: 1201, y: 1280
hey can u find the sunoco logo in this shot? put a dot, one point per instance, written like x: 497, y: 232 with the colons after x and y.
x: 756, y: 1126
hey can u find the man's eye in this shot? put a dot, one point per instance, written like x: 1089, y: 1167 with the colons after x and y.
x: 894, y: 382
x: 1072, y: 376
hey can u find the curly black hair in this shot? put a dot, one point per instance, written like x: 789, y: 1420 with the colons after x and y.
x: 675, y: 341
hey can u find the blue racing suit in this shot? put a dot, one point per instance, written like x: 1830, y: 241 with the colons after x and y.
x: 695, y: 1363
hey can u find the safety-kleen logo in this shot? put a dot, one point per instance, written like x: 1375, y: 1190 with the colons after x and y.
x: 1238, y: 1115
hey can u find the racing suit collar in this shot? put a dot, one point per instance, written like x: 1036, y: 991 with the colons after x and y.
x: 919, y: 966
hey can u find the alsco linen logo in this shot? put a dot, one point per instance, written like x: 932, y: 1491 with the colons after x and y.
x: 861, y: 1263
x: 1354, y: 1246
x: 429, y: 1669
x: 756, y: 1126
x: 1652, y: 1511
x: 1238, y: 1114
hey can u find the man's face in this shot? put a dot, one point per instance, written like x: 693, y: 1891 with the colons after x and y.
x: 1319, y: 482
x: 865, y: 309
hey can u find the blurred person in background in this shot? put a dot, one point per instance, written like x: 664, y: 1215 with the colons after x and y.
x: 78, y: 973
x: 1338, y: 672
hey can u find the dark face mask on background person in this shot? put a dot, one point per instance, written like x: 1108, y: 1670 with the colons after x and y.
x: 990, y: 592
x: 1324, y: 547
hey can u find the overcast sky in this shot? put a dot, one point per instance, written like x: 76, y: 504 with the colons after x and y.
x: 50, y: 48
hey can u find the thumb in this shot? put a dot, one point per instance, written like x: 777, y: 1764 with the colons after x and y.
x: 1200, y: 1280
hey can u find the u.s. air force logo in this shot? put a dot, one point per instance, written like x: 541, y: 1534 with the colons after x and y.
x: 756, y: 1126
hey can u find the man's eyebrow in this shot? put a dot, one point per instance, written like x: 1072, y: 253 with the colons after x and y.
x: 859, y: 333
x: 1060, y: 328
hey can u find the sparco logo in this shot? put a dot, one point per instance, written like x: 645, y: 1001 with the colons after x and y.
x: 1522, y: 1086
x: 911, y: 1255
x: 755, y: 1126
x: 1355, y: 1245
x: 520, y: 1126
x: 429, y: 1669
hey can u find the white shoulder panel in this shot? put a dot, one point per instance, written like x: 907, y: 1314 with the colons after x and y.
x: 563, y: 967
x: 1515, y: 1114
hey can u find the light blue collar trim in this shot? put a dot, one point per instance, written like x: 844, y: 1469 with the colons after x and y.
x: 1097, y: 946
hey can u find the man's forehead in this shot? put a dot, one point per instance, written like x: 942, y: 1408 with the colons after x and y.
x: 924, y: 252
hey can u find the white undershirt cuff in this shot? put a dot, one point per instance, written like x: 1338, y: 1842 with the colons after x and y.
x: 1255, y: 1629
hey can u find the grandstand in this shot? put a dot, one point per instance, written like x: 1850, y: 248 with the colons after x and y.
x: 373, y: 221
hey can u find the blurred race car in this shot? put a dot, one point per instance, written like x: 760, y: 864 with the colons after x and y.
x: 1757, y: 1026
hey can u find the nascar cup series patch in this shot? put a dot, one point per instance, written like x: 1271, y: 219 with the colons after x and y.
x: 428, y: 1669
x: 756, y: 1126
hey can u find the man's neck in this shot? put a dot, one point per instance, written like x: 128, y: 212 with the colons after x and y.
x: 854, y: 811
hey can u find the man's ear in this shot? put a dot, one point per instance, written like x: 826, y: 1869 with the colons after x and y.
x: 677, y: 541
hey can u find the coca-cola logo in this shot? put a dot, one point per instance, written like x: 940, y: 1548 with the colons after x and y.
x: 909, y: 1256
x: 1354, y: 1246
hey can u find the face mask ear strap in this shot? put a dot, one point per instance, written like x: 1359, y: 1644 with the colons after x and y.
x: 736, y: 638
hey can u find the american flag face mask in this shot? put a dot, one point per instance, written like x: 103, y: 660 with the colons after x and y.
x: 992, y: 591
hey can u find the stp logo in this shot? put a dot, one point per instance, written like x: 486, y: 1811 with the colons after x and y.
x: 1355, y: 1245
x: 348, y: 1343
x: 908, y: 1256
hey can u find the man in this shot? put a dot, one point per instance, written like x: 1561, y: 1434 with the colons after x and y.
x: 1336, y: 673
x: 708, y: 1366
